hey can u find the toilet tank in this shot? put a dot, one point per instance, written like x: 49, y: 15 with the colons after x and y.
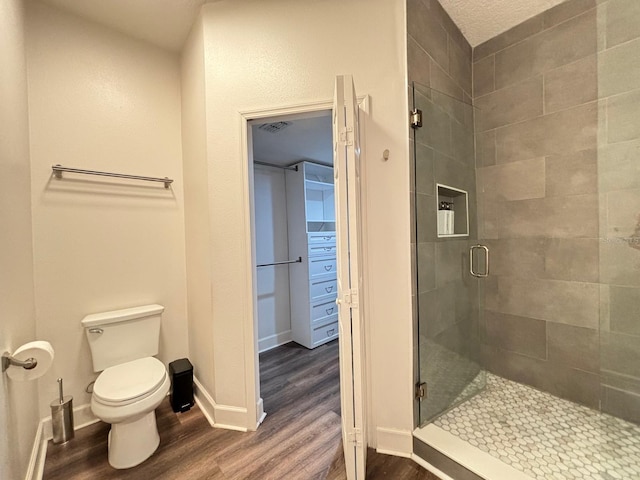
x: 123, y: 335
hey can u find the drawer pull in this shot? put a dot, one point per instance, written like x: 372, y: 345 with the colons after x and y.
x: 328, y: 267
x: 328, y: 289
x: 329, y: 310
x: 331, y: 331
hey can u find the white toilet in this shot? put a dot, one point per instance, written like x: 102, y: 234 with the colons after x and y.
x: 132, y: 384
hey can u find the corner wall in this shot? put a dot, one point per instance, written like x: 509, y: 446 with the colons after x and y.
x: 102, y: 101
x: 19, y: 416
x: 291, y: 57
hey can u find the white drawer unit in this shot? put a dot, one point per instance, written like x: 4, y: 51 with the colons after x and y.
x: 325, y: 334
x: 322, y: 266
x: 319, y: 289
x: 313, y: 286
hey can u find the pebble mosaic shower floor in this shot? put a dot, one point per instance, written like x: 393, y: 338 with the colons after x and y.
x: 544, y: 436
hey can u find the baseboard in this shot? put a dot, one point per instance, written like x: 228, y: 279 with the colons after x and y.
x: 273, y: 341
x: 394, y: 442
x: 220, y: 416
x: 82, y: 417
x: 38, y: 455
x: 261, y: 414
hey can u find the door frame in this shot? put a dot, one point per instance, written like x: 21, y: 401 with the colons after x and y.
x: 255, y: 410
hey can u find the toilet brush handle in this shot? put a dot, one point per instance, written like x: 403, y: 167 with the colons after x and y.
x: 60, y: 391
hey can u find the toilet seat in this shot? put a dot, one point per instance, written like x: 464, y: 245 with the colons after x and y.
x: 129, y: 382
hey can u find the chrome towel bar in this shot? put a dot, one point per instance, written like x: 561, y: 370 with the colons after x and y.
x: 58, y: 169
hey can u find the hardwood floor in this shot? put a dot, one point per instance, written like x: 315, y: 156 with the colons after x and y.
x: 300, y: 438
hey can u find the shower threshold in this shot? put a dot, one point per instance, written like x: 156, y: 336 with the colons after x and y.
x: 514, y: 432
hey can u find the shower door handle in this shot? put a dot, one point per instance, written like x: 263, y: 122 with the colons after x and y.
x: 486, y: 261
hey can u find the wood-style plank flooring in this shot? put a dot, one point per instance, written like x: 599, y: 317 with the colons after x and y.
x: 300, y: 438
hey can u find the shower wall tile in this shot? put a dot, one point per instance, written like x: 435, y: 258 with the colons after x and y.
x: 460, y: 66
x: 424, y: 179
x: 513, y: 181
x: 619, y: 166
x: 451, y: 261
x: 623, y: 117
x: 483, y: 76
x: 515, y: 103
x: 620, y: 261
x: 624, y: 310
x: 463, y: 145
x: 426, y: 273
x: 571, y: 303
x: 621, y: 403
x: 572, y: 259
x: 623, y: 215
x: 557, y: 46
x: 571, y: 85
x: 418, y: 63
x: 486, y: 148
x: 426, y: 218
x: 573, y: 174
x: 576, y: 347
x: 623, y: 18
x: 427, y: 31
x: 513, y: 35
x: 621, y: 353
x: 521, y: 257
x: 555, y: 134
x: 619, y: 69
x: 523, y: 335
x: 565, y: 11
x: 449, y: 171
x: 443, y: 82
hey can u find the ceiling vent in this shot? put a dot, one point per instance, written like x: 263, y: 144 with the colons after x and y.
x: 274, y: 127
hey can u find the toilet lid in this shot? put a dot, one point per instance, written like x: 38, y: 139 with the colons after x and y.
x: 128, y: 381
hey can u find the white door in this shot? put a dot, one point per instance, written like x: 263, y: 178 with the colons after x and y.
x: 346, y: 141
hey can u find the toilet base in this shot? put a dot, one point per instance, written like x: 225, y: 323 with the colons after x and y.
x: 131, y: 443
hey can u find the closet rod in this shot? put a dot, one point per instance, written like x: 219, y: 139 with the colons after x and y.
x: 294, y: 168
x: 58, y: 169
x: 299, y: 260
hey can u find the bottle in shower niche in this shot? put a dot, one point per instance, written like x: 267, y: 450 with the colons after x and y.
x: 445, y: 218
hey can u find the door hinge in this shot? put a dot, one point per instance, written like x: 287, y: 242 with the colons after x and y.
x: 416, y: 118
x: 421, y: 391
x: 355, y: 437
x: 349, y: 299
x: 346, y: 136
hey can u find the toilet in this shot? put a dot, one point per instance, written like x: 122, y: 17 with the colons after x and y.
x: 132, y: 382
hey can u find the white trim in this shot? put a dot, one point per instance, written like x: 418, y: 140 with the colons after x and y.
x: 426, y: 465
x: 470, y: 457
x: 396, y: 442
x: 273, y: 341
x: 230, y: 418
x: 204, y: 401
x: 38, y: 455
x: 261, y: 413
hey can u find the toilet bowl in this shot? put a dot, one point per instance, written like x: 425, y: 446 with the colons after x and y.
x: 132, y: 383
x: 126, y: 396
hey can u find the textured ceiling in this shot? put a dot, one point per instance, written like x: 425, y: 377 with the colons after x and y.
x: 166, y: 23
x: 481, y: 20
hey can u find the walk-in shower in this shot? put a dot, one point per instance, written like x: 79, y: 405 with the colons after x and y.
x: 534, y: 370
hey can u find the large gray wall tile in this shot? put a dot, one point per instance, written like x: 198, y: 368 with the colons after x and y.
x: 521, y: 257
x: 513, y: 181
x: 427, y: 31
x: 512, y: 104
x: 624, y: 308
x: 576, y: 347
x: 623, y: 214
x: 557, y: 46
x: 619, y: 166
x: 426, y: 272
x: 571, y: 85
x: 486, y: 148
x: 511, y: 36
x: 623, y: 117
x: 555, y: 134
x: 451, y: 261
x: 417, y: 63
x: 573, y: 259
x: 483, y: 76
x: 573, y: 174
x: 526, y: 336
x: 566, y: 10
x: 572, y: 303
x: 621, y: 403
x: 459, y: 66
x: 619, y: 69
x: 620, y: 262
x: 424, y: 180
x: 623, y: 18
x: 426, y: 218
x: 620, y: 353
x: 442, y: 82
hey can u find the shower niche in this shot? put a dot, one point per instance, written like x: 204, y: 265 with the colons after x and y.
x: 453, y: 211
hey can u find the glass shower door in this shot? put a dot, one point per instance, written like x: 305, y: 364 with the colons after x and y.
x: 447, y: 294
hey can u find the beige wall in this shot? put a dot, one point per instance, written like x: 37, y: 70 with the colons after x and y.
x: 18, y: 400
x: 196, y: 198
x: 292, y: 56
x: 100, y: 100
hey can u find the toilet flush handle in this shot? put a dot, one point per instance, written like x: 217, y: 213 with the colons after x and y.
x: 99, y: 331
